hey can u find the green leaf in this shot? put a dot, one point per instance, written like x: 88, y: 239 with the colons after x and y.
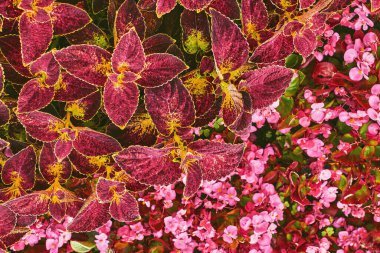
x: 293, y: 61
x: 285, y: 106
x: 294, y: 85
x: 82, y: 247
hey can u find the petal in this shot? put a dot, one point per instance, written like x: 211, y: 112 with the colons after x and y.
x: 34, y: 96
x: 125, y: 209
x: 149, y: 165
x: 170, y: 106
x: 120, y: 101
x: 159, y: 69
x: 67, y: 18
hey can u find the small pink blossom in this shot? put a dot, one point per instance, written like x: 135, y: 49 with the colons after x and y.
x: 102, y: 242
x: 230, y: 234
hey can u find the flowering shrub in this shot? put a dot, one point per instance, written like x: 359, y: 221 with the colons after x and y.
x: 189, y: 126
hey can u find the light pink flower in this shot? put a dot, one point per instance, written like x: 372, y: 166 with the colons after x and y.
x: 350, y: 55
x: 102, y: 242
x: 325, y: 175
x: 245, y: 223
x: 230, y: 233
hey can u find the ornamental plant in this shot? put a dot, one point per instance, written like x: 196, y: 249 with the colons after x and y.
x: 189, y: 126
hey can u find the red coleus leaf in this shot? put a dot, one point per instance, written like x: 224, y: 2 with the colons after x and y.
x: 40, y: 125
x: 25, y: 220
x: 11, y: 48
x: 125, y: 208
x: 120, y: 100
x: 86, y: 165
x: 62, y: 148
x: 92, y: 143
x: 70, y: 88
x: 244, y: 120
x: 274, y: 49
x: 46, y: 68
x: 195, y: 32
x: 266, y: 85
x: 158, y: 43
x: 2, y: 79
x: 193, y: 175
x: 210, y: 115
x: 149, y: 165
x: 165, y: 6
x: 170, y: 106
x: 128, y: 54
x: 229, y: 8
x: 35, y: 203
x: 7, y: 220
x: 91, y: 216
x: 217, y: 159
x: 107, y: 190
x: 14, y: 236
x: 64, y: 202
x: 34, y: 95
x: 305, y: 42
x: 128, y: 16
x: 31, y: 4
x: 86, y: 62
x: 67, y: 18
x: 91, y: 34
x: 9, y: 10
x: 50, y: 167
x: 254, y: 17
x: 306, y: 3
x: 195, y: 5
x: 19, y: 170
x: 375, y: 5
x: 4, y: 114
x: 159, y: 69
x: 232, y: 105
x: 229, y: 46
x: 85, y: 108
x: 36, y: 33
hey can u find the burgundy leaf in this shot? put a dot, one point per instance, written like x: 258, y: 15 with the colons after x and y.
x: 149, y: 165
x: 170, y: 106
x: 11, y: 48
x: 195, y: 32
x: 67, y: 18
x: 52, y: 169
x: 87, y: 62
x: 9, y: 10
x: 157, y: 43
x: 91, y: 216
x: 92, y: 143
x: 217, y: 159
x: 125, y: 208
x: 40, y: 125
x: 35, y: 203
x: 26, y: 220
x: 19, y: 170
x: 160, y: 68
x: 46, y: 68
x: 266, y: 85
x: 193, y: 175
x: 306, y: 3
x: 86, y: 165
x: 229, y: 8
x: 7, y: 220
x: 85, y: 108
x: 70, y: 88
x: 62, y: 149
x: 91, y: 34
x: 36, y: 34
x: 305, y: 42
x: 195, y: 5
x: 254, y: 17
x: 232, y: 105
x: 375, y: 5
x: 229, y: 46
x: 120, y: 101
x: 2, y: 79
x: 165, y: 6
x: 4, y: 114
x: 128, y: 54
x: 34, y: 95
x: 128, y: 16
x: 107, y: 190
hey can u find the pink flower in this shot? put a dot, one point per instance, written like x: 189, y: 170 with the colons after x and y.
x: 258, y: 198
x: 328, y: 196
x: 374, y: 115
x: 325, y: 175
x: 356, y: 74
x: 245, y: 223
x: 318, y: 112
x: 230, y: 233
x: 374, y: 102
x: 52, y: 245
x: 102, y: 242
x: 371, y: 40
x: 350, y: 55
x: 375, y: 90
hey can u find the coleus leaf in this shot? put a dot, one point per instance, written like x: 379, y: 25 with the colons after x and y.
x: 217, y: 159
x: 35, y: 203
x: 86, y: 62
x: 46, y: 68
x: 158, y: 43
x: 2, y: 79
x: 229, y: 46
x: 20, y: 169
x: 244, y: 120
x: 70, y: 88
x: 50, y: 167
x: 25, y: 220
x: 229, y: 8
x: 32, y: 4
x: 305, y: 42
x: 36, y: 33
x: 64, y: 145
x: 128, y: 16
x: 7, y: 220
x: 107, y: 189
x: 170, y: 106
x: 67, y: 18
x: 120, y: 100
x: 128, y: 54
x: 195, y: 32
x: 254, y: 17
x: 85, y: 108
x: 10, y: 46
x: 375, y: 5
x: 92, y: 143
x: 91, y: 34
x: 4, y: 114
x: 159, y: 69
x: 274, y: 49
x: 195, y: 5
x: 34, y: 95
x: 306, y: 3
x: 149, y: 165
x: 91, y: 216
x: 266, y: 85
x: 232, y: 105
x: 193, y: 175
x: 125, y: 208
x: 9, y: 10
x: 164, y: 6
x: 40, y: 125
x: 64, y: 202
x: 86, y: 165
x: 14, y: 236
x: 210, y: 115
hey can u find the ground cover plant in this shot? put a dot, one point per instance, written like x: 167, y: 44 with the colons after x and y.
x: 189, y: 126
